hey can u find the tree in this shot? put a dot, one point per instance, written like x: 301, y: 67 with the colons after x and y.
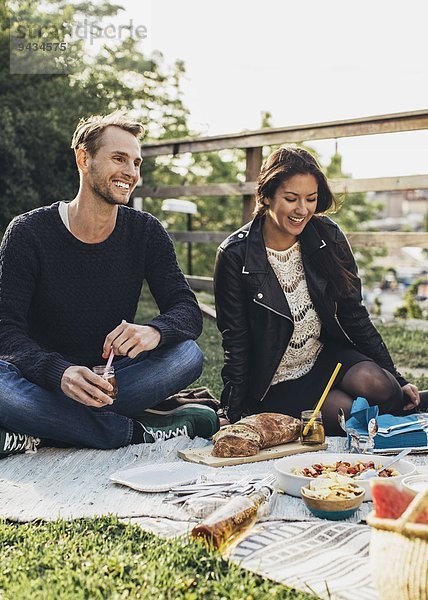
x: 266, y: 119
x: 412, y: 309
x: 38, y: 113
x: 215, y: 213
x: 354, y: 209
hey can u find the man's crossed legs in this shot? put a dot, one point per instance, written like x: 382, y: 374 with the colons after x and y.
x: 143, y: 382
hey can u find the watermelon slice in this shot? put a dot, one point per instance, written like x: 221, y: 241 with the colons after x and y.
x: 390, y: 502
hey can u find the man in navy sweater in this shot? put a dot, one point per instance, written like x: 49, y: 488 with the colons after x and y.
x: 71, y: 276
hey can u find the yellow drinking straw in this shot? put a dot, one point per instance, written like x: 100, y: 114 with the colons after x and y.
x: 321, y: 400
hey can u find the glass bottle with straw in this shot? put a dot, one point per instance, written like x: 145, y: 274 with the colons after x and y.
x: 107, y: 372
x: 312, y: 428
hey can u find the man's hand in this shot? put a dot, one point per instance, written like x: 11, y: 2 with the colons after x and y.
x: 82, y: 385
x: 411, y: 393
x: 128, y: 339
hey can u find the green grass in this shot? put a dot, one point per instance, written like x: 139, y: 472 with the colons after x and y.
x: 104, y: 558
x: 210, y: 343
x: 408, y: 347
x: 409, y: 350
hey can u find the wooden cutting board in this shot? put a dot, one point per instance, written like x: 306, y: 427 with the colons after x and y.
x: 203, y: 456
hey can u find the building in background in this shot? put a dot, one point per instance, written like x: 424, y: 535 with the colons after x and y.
x: 402, y: 211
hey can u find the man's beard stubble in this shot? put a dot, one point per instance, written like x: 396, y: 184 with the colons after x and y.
x: 105, y: 197
x: 100, y: 189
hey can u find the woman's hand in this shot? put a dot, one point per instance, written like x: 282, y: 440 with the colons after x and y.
x: 128, y: 339
x: 411, y: 393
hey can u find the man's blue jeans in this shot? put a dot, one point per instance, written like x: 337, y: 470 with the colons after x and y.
x: 142, y: 383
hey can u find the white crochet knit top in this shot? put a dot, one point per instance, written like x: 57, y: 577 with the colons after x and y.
x: 304, y: 345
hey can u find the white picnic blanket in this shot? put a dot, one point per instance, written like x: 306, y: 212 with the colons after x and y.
x: 328, y: 558
x: 68, y: 483
x: 303, y: 551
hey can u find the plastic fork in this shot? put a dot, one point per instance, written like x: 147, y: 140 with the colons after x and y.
x: 210, y: 491
x: 372, y: 429
x: 341, y: 419
x: 370, y: 473
x: 252, y: 486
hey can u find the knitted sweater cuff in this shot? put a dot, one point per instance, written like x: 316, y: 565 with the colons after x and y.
x: 55, y: 371
x: 168, y: 335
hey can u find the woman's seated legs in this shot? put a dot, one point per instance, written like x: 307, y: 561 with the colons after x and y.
x: 378, y: 386
x: 335, y: 400
x: 364, y: 379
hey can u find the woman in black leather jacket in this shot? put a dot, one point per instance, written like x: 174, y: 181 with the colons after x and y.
x: 289, y: 306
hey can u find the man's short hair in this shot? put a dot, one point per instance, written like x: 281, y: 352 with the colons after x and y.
x: 88, y: 132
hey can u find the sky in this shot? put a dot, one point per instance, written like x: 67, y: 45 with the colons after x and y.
x: 303, y: 61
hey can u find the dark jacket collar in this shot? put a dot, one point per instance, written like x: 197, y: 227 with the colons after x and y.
x: 256, y: 260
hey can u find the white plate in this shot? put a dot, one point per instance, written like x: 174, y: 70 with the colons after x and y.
x: 158, y: 477
x: 291, y: 484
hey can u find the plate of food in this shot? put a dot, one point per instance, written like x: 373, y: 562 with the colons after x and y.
x: 294, y: 472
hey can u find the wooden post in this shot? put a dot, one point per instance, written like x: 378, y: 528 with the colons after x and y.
x: 189, y: 246
x: 252, y: 169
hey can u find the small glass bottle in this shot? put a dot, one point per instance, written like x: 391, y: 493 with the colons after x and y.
x: 109, y: 375
x: 230, y: 520
x: 316, y: 433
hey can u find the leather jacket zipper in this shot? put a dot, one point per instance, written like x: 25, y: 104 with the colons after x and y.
x: 268, y: 387
x: 274, y: 311
x: 285, y: 317
x: 340, y: 326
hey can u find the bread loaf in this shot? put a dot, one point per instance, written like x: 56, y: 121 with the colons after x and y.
x: 251, y: 434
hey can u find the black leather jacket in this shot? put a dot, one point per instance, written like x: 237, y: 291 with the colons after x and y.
x: 255, y: 321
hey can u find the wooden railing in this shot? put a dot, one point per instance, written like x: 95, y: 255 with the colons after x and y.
x: 372, y: 239
x: 338, y: 186
x: 393, y: 123
x: 253, y: 142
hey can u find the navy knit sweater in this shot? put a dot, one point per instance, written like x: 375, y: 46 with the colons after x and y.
x: 60, y: 297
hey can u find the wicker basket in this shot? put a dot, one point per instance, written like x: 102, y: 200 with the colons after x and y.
x: 399, y: 554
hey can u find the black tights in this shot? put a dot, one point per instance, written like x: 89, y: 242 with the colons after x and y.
x: 364, y: 379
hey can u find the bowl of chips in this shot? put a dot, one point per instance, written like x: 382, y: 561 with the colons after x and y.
x: 334, y: 497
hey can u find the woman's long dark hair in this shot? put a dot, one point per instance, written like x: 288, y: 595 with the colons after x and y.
x: 277, y: 168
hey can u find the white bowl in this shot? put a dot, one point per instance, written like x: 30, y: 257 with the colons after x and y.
x: 416, y: 483
x: 291, y: 484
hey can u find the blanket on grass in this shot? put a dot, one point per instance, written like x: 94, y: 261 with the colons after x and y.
x: 67, y: 483
x: 289, y: 545
x: 327, y: 558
